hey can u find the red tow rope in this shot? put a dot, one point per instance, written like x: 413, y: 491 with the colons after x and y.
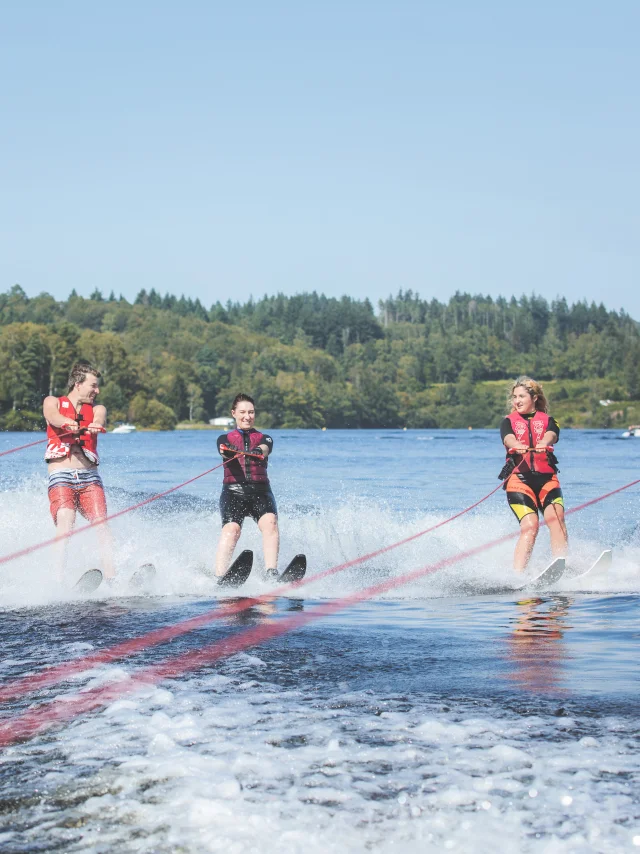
x: 62, y: 671
x: 39, y: 442
x: 40, y: 718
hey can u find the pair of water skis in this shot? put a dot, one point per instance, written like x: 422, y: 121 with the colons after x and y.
x: 556, y: 572
x: 240, y: 570
x: 236, y: 575
x: 141, y: 579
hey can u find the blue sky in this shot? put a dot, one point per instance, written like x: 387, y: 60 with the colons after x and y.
x: 226, y: 150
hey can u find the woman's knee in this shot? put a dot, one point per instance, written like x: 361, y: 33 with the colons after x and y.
x: 530, y: 525
x: 268, y: 523
x: 231, y: 529
x: 554, y: 513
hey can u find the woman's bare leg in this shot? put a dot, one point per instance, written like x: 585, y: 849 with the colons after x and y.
x: 529, y: 527
x: 226, y: 544
x: 554, y: 517
x: 268, y: 525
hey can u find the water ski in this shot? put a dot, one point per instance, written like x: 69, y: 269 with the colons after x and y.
x: 239, y: 570
x: 601, y: 566
x: 550, y: 575
x: 547, y: 577
x: 88, y: 581
x: 143, y: 576
x: 295, y: 571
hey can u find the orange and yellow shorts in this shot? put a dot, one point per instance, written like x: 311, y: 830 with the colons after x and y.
x: 536, y: 492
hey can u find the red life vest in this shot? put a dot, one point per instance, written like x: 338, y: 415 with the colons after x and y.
x: 246, y: 469
x: 60, y: 442
x: 530, y: 431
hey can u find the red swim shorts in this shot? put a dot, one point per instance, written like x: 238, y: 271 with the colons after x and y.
x: 88, y: 499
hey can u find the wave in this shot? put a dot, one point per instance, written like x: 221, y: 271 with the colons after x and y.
x: 179, y: 534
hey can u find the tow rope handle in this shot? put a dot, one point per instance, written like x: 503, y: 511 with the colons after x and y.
x: 257, y: 456
x: 511, y: 467
x: 78, y: 433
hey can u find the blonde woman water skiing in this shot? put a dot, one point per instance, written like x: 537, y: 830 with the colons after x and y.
x: 529, y: 434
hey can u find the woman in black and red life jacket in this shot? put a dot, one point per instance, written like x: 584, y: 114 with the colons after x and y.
x: 529, y: 434
x: 246, y: 490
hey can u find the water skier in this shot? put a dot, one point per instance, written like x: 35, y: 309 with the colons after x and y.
x: 246, y: 490
x: 73, y: 423
x: 529, y: 434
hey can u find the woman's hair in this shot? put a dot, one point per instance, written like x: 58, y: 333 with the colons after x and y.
x: 534, y: 389
x: 79, y: 373
x: 239, y: 398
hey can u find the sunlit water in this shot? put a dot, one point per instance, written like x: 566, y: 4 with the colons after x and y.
x: 431, y: 718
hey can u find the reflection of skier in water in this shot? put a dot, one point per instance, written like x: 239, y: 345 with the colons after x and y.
x: 536, y: 645
x: 530, y: 433
x: 246, y: 490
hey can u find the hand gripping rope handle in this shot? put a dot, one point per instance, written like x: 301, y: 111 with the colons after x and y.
x: 255, y: 455
x: 42, y: 717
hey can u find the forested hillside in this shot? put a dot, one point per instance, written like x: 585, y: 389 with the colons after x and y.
x: 314, y: 361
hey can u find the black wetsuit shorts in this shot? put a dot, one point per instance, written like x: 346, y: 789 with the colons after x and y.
x: 239, y: 500
x: 532, y: 492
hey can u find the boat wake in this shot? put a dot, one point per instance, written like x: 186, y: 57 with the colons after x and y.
x: 179, y: 534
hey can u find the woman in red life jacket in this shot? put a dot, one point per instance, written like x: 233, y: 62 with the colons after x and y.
x: 246, y: 490
x: 74, y: 421
x: 529, y: 434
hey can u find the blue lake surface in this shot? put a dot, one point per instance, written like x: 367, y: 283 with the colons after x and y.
x: 430, y: 717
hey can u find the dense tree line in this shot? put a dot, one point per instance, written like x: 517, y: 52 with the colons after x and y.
x: 313, y: 360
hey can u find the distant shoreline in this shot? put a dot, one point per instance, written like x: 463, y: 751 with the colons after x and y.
x: 193, y: 425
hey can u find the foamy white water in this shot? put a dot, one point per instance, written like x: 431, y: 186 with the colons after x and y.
x: 430, y: 719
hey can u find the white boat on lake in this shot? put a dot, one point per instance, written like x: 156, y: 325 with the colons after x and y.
x: 124, y: 428
x: 632, y: 433
x: 223, y: 421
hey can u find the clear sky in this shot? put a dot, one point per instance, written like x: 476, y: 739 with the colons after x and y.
x: 223, y: 150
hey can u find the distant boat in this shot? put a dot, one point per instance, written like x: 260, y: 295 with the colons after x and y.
x: 124, y: 428
x: 632, y: 432
x: 223, y: 421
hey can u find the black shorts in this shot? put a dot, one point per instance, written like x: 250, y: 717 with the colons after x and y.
x: 238, y: 502
x: 530, y: 493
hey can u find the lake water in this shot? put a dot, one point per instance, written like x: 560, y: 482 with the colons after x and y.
x: 430, y: 718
